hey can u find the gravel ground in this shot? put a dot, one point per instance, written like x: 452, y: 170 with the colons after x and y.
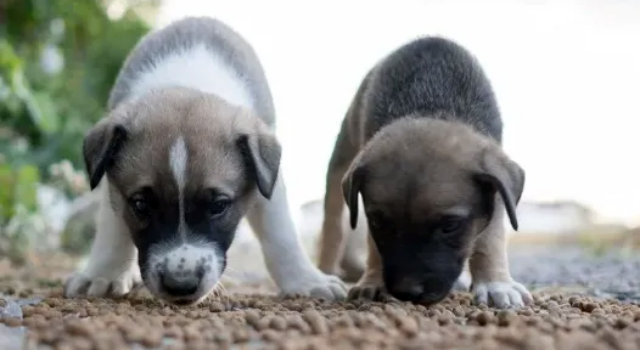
x: 582, y: 302
x: 611, y: 275
x: 568, y: 268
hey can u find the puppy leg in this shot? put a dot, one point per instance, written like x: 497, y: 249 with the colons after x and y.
x: 333, y: 234
x: 371, y: 284
x: 333, y: 239
x: 492, y: 283
x: 353, y: 263
x: 112, y: 269
x: 463, y: 283
x: 287, y: 262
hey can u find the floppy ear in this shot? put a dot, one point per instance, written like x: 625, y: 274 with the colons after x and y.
x: 261, y: 153
x: 100, y: 146
x: 351, y: 182
x: 504, y: 176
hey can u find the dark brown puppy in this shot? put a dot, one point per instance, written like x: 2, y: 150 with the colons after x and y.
x: 421, y: 144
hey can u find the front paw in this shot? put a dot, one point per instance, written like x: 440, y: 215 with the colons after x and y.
x: 315, y: 284
x: 502, y: 295
x: 102, y: 283
x: 370, y: 290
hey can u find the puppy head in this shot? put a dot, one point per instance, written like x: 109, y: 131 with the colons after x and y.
x: 428, y: 188
x: 183, y: 167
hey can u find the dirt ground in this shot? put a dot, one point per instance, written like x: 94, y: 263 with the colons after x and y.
x: 582, y: 302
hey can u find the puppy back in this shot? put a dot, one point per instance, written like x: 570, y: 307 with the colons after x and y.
x: 196, y: 52
x: 430, y: 77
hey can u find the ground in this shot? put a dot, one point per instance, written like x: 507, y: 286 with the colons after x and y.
x: 583, y: 301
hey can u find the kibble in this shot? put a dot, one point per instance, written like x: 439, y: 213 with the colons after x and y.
x: 555, y: 321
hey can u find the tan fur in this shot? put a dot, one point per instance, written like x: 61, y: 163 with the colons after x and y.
x: 332, y: 241
x: 210, y: 127
x: 371, y: 282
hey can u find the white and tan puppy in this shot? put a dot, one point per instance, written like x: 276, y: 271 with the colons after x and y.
x: 421, y: 145
x: 189, y: 149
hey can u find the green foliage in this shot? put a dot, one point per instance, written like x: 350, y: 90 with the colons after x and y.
x: 52, y: 110
x: 17, y: 202
x: 58, y: 61
x: 20, y: 189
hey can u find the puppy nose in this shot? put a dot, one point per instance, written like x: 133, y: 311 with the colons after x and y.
x: 179, y: 286
x: 407, y: 289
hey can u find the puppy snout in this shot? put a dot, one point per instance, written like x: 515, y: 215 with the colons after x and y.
x: 184, y: 274
x: 180, y: 284
x: 407, y: 289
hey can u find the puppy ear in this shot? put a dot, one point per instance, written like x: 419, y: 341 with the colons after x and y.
x: 261, y: 153
x: 100, y: 147
x: 504, y: 176
x: 351, y: 182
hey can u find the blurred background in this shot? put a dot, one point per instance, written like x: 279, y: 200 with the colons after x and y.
x: 565, y: 73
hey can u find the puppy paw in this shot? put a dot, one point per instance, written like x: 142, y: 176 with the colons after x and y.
x: 105, y: 284
x: 370, y: 288
x: 316, y: 284
x: 502, y: 295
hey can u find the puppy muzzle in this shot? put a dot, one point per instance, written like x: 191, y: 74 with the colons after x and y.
x: 185, y: 274
x: 423, y: 290
x: 181, y: 284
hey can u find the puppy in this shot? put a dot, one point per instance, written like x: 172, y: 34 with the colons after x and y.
x: 421, y: 144
x: 189, y: 149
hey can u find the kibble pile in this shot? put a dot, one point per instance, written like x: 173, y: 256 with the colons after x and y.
x: 261, y: 321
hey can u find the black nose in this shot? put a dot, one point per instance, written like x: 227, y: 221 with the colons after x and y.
x: 179, y: 287
x: 407, y: 289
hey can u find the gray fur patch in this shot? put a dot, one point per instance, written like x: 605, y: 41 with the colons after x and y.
x: 431, y: 77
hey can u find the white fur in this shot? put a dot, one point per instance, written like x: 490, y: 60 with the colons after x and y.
x: 178, y: 160
x: 501, y: 292
x: 288, y: 264
x: 197, y: 68
x: 181, y: 261
x: 113, y: 261
x: 502, y: 295
x: 463, y: 283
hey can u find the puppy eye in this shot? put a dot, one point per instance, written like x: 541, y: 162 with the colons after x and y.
x: 451, y: 224
x: 140, y: 206
x: 219, y: 206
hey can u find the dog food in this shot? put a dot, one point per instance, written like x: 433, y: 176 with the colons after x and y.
x: 256, y: 321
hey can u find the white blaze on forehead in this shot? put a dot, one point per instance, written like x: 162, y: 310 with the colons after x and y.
x: 178, y: 160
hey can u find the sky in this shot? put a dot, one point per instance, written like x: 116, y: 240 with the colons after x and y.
x: 565, y: 73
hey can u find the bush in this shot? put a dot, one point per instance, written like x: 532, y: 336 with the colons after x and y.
x: 58, y: 60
